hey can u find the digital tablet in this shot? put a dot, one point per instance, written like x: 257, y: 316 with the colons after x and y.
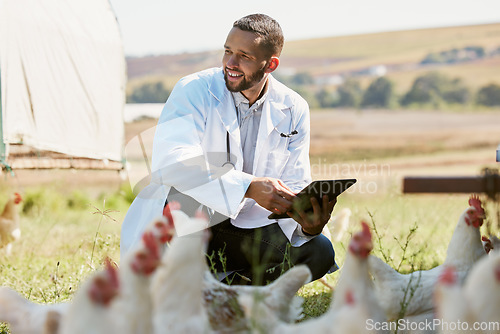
x: 317, y: 189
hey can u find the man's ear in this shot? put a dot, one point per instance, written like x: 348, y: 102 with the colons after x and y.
x: 273, y: 64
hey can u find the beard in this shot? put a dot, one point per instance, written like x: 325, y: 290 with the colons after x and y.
x: 247, y: 82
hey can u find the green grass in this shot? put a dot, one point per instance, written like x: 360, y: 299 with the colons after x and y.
x: 66, y: 237
x: 395, y: 215
x: 63, y: 240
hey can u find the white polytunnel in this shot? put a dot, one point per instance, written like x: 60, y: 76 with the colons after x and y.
x: 63, y: 77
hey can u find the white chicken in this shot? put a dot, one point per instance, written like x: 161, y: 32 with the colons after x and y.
x: 451, y: 305
x: 133, y: 307
x: 338, y: 225
x: 355, y: 275
x: 26, y: 317
x: 89, y: 311
x: 354, y: 308
x: 482, y: 292
x: 334, y: 231
x: 176, y: 287
x: 10, y: 230
x: 226, y: 314
x: 413, y: 293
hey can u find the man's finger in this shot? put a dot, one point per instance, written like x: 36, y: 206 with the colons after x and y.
x: 284, y: 191
x: 283, y: 202
x: 295, y: 217
x: 285, y: 186
x: 331, y: 205
x: 277, y: 208
x: 325, y: 206
x: 316, y: 206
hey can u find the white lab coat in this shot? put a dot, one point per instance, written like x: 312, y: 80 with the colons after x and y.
x: 190, y: 146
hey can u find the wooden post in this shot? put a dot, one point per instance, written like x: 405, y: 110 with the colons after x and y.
x: 488, y: 183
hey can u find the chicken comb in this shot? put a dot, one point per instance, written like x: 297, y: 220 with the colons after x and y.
x: 366, y: 229
x: 150, y: 243
x: 105, y: 285
x: 201, y: 215
x: 167, y: 210
x: 361, y: 242
x: 112, y: 271
x: 17, y: 198
x: 476, y: 203
x: 448, y: 276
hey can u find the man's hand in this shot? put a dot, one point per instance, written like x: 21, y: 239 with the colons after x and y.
x: 271, y: 194
x: 313, y: 223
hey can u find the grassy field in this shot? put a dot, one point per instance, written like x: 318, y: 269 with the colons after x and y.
x: 400, y: 51
x: 64, y: 243
x: 71, y: 220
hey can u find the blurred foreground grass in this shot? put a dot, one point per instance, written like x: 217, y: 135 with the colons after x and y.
x: 65, y: 237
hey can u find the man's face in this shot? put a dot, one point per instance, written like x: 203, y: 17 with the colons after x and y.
x: 244, y: 61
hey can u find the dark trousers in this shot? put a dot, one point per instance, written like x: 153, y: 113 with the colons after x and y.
x: 260, y: 255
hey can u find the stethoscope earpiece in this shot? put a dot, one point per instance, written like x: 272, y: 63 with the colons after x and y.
x: 294, y: 132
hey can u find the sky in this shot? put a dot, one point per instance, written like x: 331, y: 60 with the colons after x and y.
x: 152, y: 27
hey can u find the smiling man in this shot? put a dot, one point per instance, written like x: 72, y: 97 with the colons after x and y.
x: 253, y: 133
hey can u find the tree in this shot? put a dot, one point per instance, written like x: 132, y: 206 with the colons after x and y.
x: 350, y: 93
x: 325, y: 99
x: 150, y: 92
x: 308, y: 95
x: 489, y: 95
x: 379, y: 94
x: 456, y: 92
x: 302, y: 79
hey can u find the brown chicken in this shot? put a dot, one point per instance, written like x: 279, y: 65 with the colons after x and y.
x: 9, y: 223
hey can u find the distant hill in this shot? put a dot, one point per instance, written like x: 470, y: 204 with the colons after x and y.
x: 399, y: 55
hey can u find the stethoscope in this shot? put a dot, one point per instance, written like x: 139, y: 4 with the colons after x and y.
x: 228, y: 146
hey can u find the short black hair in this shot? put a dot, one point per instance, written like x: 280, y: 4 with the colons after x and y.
x: 266, y: 27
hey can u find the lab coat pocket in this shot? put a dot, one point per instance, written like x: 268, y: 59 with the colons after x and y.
x: 276, y: 163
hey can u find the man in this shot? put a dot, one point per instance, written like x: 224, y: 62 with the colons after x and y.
x: 236, y: 141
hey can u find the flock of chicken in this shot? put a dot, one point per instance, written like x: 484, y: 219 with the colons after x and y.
x: 160, y: 289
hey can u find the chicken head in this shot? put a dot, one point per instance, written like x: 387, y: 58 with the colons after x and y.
x: 147, y: 258
x: 166, y: 229
x: 105, y: 286
x: 448, y: 276
x: 361, y: 243
x: 475, y: 214
x: 17, y: 198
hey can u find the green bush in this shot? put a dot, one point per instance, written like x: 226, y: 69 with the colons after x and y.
x: 151, y: 92
x: 489, y: 95
x: 40, y: 200
x: 350, y: 94
x: 325, y: 98
x: 308, y: 95
x: 435, y: 88
x: 78, y: 200
x: 379, y: 94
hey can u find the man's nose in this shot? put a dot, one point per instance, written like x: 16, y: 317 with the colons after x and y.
x: 232, y: 62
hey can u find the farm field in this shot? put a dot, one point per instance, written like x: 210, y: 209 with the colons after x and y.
x: 71, y: 219
x: 399, y: 51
